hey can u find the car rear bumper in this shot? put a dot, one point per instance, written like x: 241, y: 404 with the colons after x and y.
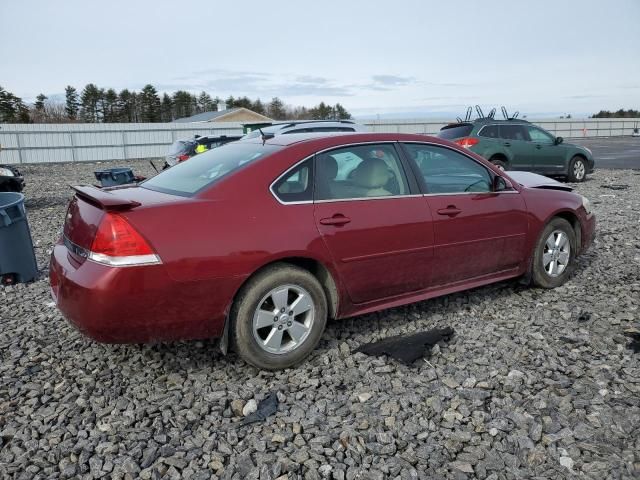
x: 139, y: 304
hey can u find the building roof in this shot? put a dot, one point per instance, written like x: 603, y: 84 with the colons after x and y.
x: 204, y: 116
x: 217, y: 116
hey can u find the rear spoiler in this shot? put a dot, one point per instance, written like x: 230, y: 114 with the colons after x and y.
x: 103, y: 199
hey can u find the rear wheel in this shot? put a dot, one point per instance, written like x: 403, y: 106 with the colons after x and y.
x: 278, y: 318
x: 554, y: 255
x: 577, y: 169
x: 498, y: 162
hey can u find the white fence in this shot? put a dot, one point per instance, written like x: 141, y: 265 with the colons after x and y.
x: 73, y: 142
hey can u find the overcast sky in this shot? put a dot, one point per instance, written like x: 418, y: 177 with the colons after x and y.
x: 402, y: 57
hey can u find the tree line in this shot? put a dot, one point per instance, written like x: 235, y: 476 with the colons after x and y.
x: 99, y: 105
x: 617, y: 114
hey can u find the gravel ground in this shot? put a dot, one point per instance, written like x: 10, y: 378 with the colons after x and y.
x: 535, y: 383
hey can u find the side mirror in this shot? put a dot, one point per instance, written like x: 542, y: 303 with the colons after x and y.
x: 500, y: 184
x: 559, y: 140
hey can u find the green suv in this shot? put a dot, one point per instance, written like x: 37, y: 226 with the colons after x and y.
x: 519, y: 145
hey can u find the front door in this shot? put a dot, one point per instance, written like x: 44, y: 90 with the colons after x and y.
x: 545, y: 156
x: 377, y: 229
x: 477, y: 232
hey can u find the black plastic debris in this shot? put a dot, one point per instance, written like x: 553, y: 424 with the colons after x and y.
x: 615, y: 187
x: 584, y: 317
x: 407, y: 348
x: 266, y: 407
x: 634, y: 344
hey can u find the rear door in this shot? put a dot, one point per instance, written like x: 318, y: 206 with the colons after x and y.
x: 545, y: 156
x: 515, y: 140
x: 477, y: 232
x: 373, y: 221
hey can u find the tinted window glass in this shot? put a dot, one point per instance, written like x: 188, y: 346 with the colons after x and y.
x: 203, y: 170
x: 490, y: 131
x: 447, y: 171
x: 455, y: 131
x: 296, y: 186
x: 180, y: 146
x: 513, y: 132
x: 359, y: 172
x: 540, y: 136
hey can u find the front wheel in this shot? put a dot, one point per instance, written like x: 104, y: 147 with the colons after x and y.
x: 577, y: 170
x: 554, y: 255
x: 278, y: 317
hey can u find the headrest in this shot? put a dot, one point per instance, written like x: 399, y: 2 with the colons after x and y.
x: 371, y: 173
x: 327, y: 167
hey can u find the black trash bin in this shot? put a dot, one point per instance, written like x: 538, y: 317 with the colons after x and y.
x: 115, y: 176
x: 17, y: 258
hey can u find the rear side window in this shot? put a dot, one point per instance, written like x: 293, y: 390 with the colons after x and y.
x: 490, y: 131
x: 445, y: 171
x: 513, y: 132
x: 457, y: 130
x: 201, y: 171
x: 297, y: 185
x: 359, y: 171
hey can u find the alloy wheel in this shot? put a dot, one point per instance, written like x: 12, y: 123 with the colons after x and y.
x: 578, y: 170
x: 283, y: 319
x: 557, y: 253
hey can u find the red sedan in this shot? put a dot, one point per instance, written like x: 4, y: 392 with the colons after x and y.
x: 260, y: 241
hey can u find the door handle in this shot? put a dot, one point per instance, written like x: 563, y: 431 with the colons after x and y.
x: 450, y: 211
x: 336, y: 220
x: 538, y: 147
x: 507, y: 144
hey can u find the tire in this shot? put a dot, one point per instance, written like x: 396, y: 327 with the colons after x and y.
x: 501, y: 164
x: 577, y: 169
x: 264, y: 346
x: 543, y: 274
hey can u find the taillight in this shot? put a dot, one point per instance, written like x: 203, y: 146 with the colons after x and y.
x: 183, y: 157
x: 117, y: 244
x: 467, y: 142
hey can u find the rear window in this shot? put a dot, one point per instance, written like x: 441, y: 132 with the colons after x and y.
x: 455, y: 131
x: 203, y: 170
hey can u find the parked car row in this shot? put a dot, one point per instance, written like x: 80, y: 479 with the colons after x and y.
x: 260, y: 241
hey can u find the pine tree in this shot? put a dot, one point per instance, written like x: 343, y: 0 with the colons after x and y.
x: 182, y: 104
x: 149, y: 104
x: 276, y: 109
x: 72, y: 105
x: 126, y: 106
x: 110, y: 102
x: 12, y: 109
x: 90, y: 104
x: 166, y: 108
x: 257, y: 107
x: 205, y: 103
x: 39, y: 103
x: 341, y: 112
x: 230, y: 102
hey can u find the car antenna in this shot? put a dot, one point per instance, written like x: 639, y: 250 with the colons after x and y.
x: 265, y: 136
x: 479, y: 111
x: 504, y: 113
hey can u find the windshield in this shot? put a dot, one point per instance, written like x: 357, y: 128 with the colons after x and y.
x: 189, y: 177
x: 455, y: 131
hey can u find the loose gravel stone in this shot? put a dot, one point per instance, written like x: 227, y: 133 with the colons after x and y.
x: 535, y: 383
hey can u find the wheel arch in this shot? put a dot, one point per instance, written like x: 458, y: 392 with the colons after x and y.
x: 500, y: 156
x: 317, y: 268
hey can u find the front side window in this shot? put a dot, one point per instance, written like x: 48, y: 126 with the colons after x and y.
x: 513, y: 132
x: 297, y: 185
x: 540, y: 136
x: 191, y: 176
x: 359, y: 171
x: 446, y: 171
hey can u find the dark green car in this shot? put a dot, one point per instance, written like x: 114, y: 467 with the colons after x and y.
x: 519, y: 145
